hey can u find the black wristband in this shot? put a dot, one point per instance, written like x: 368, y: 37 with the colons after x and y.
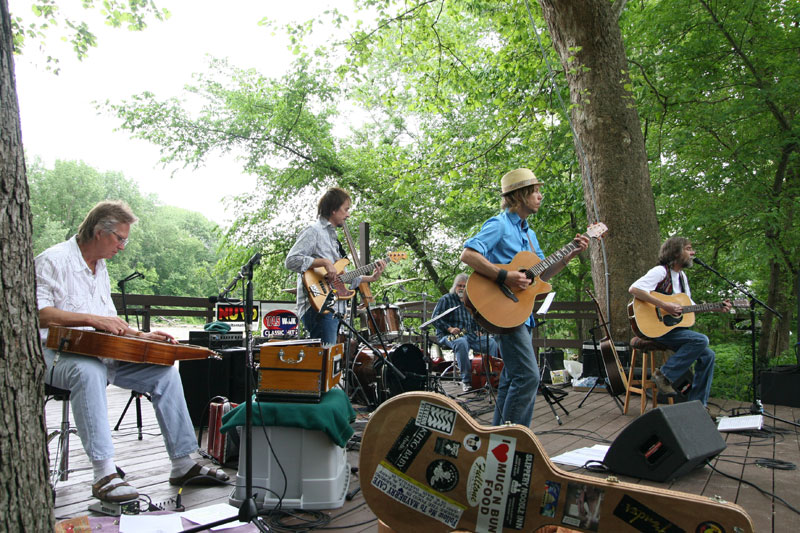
x: 501, y: 276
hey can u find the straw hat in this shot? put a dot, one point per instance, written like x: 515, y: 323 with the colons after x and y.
x: 517, y: 179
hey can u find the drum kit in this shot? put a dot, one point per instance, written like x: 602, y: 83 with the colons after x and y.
x: 385, y: 357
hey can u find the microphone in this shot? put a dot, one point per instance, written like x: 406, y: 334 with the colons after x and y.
x: 121, y: 283
x: 255, y: 260
x: 700, y: 262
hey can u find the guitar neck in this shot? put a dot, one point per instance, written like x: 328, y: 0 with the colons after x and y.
x: 360, y: 271
x: 713, y: 306
x: 556, y: 257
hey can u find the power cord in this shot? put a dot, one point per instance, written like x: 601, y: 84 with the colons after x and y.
x: 759, y: 489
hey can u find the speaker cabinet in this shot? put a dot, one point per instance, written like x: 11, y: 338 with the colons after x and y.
x: 665, y: 443
x: 203, y: 379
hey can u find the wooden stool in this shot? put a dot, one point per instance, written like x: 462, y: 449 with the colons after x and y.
x: 643, y: 348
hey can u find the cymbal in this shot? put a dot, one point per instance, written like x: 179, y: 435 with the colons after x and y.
x: 290, y: 290
x: 399, y: 281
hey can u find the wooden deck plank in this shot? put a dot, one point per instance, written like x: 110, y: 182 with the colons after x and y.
x: 147, y: 464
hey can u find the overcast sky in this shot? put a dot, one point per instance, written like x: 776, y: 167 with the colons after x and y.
x: 59, y: 120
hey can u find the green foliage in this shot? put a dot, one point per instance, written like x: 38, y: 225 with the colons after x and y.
x: 733, y: 372
x: 176, y: 249
x: 48, y: 17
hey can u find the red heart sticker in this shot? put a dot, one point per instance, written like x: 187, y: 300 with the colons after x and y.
x: 501, y: 452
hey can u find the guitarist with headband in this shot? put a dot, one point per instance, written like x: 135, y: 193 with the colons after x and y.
x: 318, y: 246
x: 73, y: 290
x: 668, y: 277
x: 498, y: 241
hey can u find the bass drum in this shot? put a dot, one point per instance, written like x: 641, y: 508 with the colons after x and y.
x: 409, y: 360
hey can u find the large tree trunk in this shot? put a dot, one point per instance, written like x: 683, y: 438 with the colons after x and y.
x: 610, y: 147
x: 27, y: 503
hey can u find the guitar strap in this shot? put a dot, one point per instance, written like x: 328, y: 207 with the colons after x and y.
x: 342, y: 253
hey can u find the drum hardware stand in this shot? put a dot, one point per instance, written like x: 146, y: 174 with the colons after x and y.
x: 603, y: 374
x: 437, y: 387
x: 248, y: 511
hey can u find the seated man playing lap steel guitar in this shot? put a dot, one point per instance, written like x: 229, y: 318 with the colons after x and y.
x: 458, y: 331
x: 689, y: 346
x: 498, y: 241
x: 73, y: 289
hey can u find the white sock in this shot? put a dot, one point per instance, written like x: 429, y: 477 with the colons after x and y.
x: 181, y: 465
x: 103, y: 468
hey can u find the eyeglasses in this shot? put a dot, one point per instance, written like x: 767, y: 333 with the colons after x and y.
x: 122, y: 240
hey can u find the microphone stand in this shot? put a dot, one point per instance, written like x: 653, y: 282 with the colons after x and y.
x: 248, y: 511
x: 135, y: 395
x: 328, y: 306
x: 756, y: 407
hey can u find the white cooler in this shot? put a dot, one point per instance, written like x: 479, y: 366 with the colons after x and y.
x: 317, y: 473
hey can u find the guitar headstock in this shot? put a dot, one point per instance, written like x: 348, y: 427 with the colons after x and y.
x: 596, y: 230
x: 396, y: 257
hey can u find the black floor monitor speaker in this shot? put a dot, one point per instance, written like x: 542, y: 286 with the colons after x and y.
x: 665, y: 443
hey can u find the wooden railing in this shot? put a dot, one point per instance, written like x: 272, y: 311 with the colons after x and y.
x: 582, y: 312
x: 150, y: 305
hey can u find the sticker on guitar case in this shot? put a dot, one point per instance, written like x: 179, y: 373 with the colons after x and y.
x: 583, y: 505
x: 552, y: 490
x: 709, y: 527
x: 447, y: 447
x: 442, y: 475
x: 472, y: 442
x: 475, y: 480
x: 519, y: 490
x: 492, y: 505
x: 436, y: 417
x: 643, y: 518
x: 408, y: 444
x: 413, y: 494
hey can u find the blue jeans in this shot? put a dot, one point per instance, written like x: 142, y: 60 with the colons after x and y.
x: 461, y: 347
x: 689, y: 347
x: 86, y: 379
x: 519, y: 379
x: 321, y: 326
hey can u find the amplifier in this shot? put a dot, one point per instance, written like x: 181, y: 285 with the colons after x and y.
x: 215, y: 341
x: 592, y: 359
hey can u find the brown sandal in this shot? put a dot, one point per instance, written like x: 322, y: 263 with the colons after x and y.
x: 195, y: 477
x: 101, y: 489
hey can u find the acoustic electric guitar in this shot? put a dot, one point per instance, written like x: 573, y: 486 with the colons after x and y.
x: 427, y: 466
x: 650, y: 321
x: 499, y: 308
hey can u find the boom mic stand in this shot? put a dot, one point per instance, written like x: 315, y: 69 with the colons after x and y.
x: 248, y: 511
x: 755, y: 407
x: 328, y: 306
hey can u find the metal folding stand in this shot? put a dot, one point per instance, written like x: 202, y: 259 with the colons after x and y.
x: 434, y: 382
x: 552, y: 396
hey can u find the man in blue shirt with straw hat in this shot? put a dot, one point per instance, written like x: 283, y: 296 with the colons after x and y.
x: 498, y: 241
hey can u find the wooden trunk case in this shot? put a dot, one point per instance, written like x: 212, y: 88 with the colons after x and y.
x: 298, y: 373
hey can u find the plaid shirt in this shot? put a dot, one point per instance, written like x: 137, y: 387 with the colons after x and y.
x: 461, y: 318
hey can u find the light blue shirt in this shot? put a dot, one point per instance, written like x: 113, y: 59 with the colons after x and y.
x: 502, y: 237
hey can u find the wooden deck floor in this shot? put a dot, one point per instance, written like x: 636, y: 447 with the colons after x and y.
x: 597, y: 421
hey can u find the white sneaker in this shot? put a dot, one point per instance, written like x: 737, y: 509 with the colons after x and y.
x: 466, y: 387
